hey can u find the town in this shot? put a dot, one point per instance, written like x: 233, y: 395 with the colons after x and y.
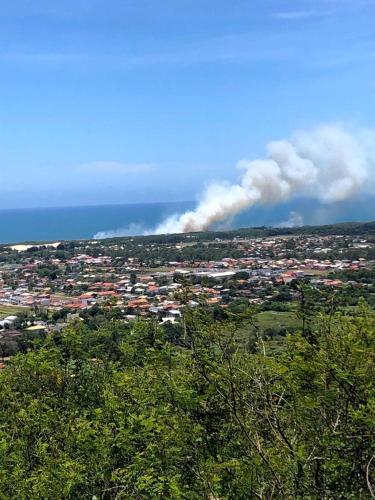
x: 43, y: 287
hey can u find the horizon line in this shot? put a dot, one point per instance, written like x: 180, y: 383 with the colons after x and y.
x: 54, y: 207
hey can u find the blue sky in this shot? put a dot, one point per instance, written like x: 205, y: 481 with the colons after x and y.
x: 139, y: 100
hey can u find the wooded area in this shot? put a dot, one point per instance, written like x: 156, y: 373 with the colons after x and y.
x: 201, y: 412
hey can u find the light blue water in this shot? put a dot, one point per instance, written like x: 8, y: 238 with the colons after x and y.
x: 51, y: 224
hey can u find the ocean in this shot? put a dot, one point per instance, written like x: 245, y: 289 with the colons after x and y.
x: 85, y: 222
x: 73, y: 223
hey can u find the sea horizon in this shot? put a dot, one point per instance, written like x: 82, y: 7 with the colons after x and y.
x: 85, y: 222
x: 91, y: 205
x: 46, y: 224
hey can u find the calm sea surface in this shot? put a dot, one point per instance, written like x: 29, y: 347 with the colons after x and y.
x: 53, y: 224
x: 69, y: 223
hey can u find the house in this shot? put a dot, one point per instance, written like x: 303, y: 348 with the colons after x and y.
x: 7, y: 322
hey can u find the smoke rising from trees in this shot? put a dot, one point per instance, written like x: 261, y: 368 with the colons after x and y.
x: 327, y: 163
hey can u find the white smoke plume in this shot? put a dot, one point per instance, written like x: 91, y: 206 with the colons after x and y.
x: 132, y: 230
x: 294, y: 220
x: 327, y: 163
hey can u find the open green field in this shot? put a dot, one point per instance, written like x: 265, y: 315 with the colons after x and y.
x: 277, y: 320
x: 11, y: 310
x: 266, y: 321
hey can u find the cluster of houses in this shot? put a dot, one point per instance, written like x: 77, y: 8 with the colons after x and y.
x: 83, y: 280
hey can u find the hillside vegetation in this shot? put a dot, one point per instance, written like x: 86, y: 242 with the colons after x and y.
x: 135, y: 412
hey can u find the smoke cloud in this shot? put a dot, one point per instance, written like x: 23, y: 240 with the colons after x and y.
x: 294, y: 220
x: 132, y: 230
x: 327, y: 163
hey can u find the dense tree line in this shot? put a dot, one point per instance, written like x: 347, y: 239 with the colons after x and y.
x: 157, y: 249
x: 345, y: 228
x: 197, y: 412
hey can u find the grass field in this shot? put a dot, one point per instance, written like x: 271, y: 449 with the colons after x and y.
x: 266, y: 321
x: 11, y: 310
x: 277, y: 320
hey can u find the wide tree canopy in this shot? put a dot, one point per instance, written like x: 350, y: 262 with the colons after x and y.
x: 135, y: 413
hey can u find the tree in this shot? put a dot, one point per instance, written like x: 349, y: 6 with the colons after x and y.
x: 129, y: 412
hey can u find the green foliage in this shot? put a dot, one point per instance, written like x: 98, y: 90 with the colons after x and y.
x: 345, y: 228
x: 122, y: 412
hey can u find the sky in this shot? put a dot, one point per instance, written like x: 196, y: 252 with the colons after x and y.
x: 123, y: 101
